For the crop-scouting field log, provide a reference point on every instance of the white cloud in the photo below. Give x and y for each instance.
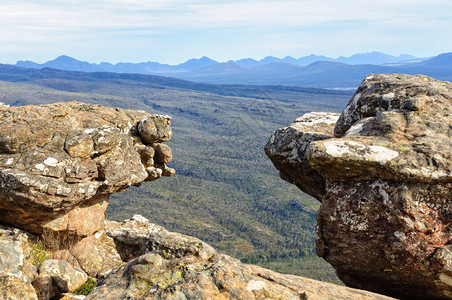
(83, 23)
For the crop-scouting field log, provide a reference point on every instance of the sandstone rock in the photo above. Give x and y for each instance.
(82, 221)
(385, 185)
(96, 254)
(14, 288)
(156, 129)
(79, 144)
(174, 266)
(163, 154)
(56, 277)
(61, 161)
(16, 270)
(136, 236)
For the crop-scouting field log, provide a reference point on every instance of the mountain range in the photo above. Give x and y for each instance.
(312, 70)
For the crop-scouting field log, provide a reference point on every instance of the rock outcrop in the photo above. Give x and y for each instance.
(58, 165)
(60, 162)
(383, 172)
(167, 265)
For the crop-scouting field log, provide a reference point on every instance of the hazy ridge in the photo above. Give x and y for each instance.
(312, 71)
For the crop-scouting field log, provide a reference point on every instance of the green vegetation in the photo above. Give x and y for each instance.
(86, 288)
(226, 191)
(38, 253)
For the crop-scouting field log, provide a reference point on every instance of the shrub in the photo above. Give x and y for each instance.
(86, 288)
(38, 253)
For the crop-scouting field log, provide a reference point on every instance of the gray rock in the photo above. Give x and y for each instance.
(16, 269)
(174, 266)
(57, 277)
(385, 185)
(287, 146)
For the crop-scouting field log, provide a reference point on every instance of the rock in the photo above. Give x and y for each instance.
(82, 221)
(147, 155)
(79, 144)
(61, 161)
(13, 288)
(287, 148)
(161, 265)
(70, 296)
(156, 129)
(56, 277)
(136, 236)
(163, 154)
(16, 269)
(96, 254)
(385, 184)
(174, 266)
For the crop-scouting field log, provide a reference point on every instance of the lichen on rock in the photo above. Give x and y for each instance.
(383, 172)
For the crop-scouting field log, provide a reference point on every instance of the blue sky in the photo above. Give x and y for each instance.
(172, 31)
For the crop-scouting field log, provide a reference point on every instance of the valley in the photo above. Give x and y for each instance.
(226, 191)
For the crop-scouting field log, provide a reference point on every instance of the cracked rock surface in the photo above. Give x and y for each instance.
(383, 172)
(61, 161)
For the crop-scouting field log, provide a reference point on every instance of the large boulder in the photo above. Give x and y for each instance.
(60, 162)
(383, 173)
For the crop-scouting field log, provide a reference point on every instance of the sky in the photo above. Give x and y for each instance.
(172, 31)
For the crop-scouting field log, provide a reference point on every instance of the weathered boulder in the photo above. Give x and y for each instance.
(57, 277)
(174, 266)
(385, 183)
(60, 162)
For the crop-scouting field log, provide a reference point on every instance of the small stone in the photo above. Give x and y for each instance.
(79, 144)
(163, 154)
(154, 173)
(147, 155)
(168, 171)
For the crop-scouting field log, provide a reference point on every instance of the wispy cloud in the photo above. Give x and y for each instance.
(163, 25)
